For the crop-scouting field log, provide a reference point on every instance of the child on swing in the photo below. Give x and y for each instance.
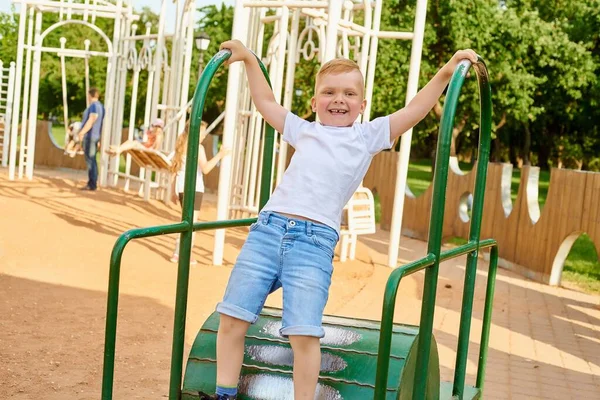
(291, 245)
(178, 159)
(153, 141)
(73, 143)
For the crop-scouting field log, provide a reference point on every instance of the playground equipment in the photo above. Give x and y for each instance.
(151, 161)
(32, 43)
(129, 54)
(63, 74)
(7, 84)
(301, 30)
(361, 359)
(317, 30)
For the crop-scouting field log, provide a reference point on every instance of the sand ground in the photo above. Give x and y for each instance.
(55, 244)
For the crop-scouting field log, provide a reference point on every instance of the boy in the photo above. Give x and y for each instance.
(291, 245)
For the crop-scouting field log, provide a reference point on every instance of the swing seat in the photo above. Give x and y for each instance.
(71, 153)
(151, 160)
(148, 158)
(348, 364)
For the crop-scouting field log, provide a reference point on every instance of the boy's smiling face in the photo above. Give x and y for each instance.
(339, 98)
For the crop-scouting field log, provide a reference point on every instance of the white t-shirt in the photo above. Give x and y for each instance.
(328, 165)
(180, 177)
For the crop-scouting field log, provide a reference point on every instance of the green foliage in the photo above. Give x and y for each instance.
(572, 92)
(540, 76)
(9, 30)
(377, 202)
(217, 22)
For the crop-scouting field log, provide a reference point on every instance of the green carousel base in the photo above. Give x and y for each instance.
(348, 364)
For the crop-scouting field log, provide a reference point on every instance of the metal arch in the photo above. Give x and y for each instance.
(78, 22)
(145, 59)
(131, 58)
(165, 58)
(307, 48)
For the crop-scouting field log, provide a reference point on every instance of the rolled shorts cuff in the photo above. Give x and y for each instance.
(236, 312)
(303, 330)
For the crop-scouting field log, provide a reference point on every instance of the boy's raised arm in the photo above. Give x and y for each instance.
(407, 117)
(262, 95)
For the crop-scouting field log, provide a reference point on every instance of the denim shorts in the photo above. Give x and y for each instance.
(292, 254)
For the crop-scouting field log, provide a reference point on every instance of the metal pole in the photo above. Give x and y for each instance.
(29, 153)
(288, 91)
(132, 109)
(372, 59)
(26, 93)
(334, 11)
(462, 350)
(173, 83)
(63, 76)
(185, 86)
(87, 43)
(240, 18)
(109, 98)
(200, 63)
(17, 95)
(148, 107)
(160, 43)
(404, 153)
(487, 318)
(119, 99)
(247, 163)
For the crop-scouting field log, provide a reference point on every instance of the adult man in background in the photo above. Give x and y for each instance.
(90, 134)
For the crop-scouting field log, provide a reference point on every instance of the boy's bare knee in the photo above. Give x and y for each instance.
(232, 326)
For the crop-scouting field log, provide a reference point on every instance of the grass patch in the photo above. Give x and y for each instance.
(457, 241)
(58, 133)
(377, 208)
(582, 266)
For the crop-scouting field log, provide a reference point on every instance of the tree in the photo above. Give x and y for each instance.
(575, 131)
(9, 31)
(534, 67)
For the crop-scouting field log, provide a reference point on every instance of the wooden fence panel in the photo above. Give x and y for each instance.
(527, 246)
(47, 153)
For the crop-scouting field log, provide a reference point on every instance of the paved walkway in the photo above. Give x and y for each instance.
(544, 341)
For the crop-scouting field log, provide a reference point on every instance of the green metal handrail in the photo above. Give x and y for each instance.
(389, 306)
(186, 227)
(431, 262)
